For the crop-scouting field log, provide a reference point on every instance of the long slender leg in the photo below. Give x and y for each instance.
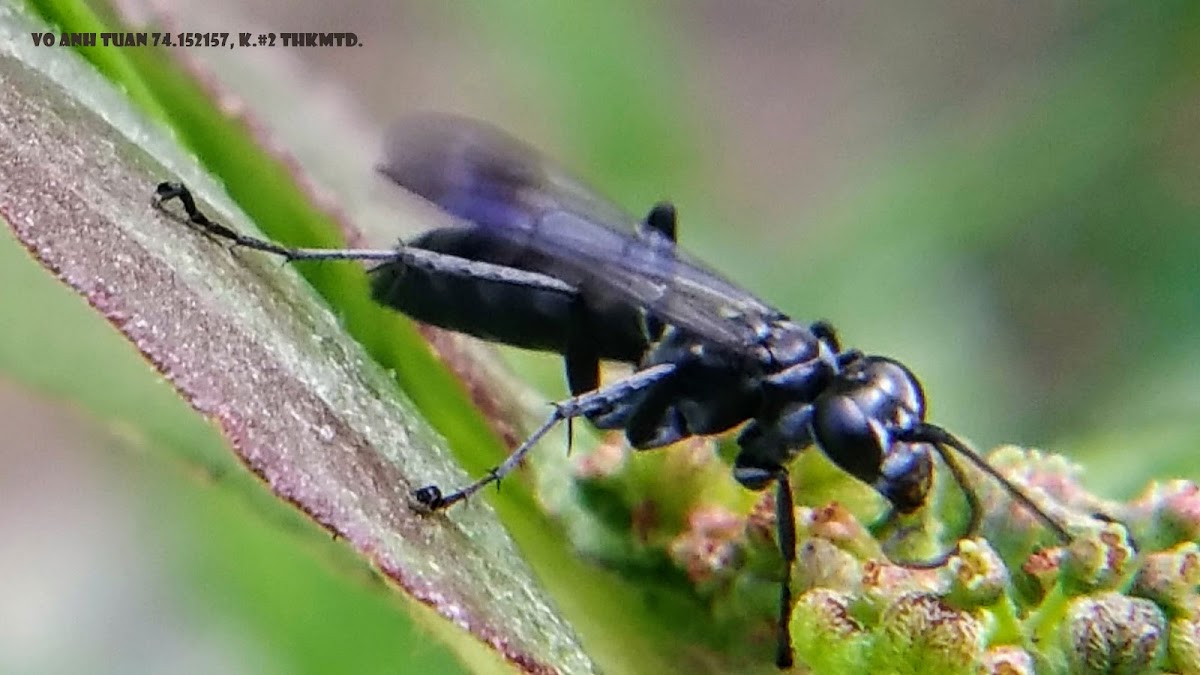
(582, 355)
(785, 530)
(165, 192)
(581, 358)
(431, 496)
(439, 263)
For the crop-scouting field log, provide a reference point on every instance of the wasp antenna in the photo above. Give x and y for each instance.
(940, 438)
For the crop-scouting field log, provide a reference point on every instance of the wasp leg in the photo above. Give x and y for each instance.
(432, 498)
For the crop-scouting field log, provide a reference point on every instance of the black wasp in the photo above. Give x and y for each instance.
(538, 261)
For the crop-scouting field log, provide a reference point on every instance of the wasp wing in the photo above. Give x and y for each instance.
(527, 214)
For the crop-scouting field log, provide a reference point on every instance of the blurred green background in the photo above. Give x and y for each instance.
(1006, 198)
